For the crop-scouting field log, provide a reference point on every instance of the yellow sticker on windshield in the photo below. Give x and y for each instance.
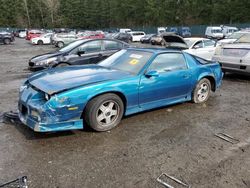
(133, 62)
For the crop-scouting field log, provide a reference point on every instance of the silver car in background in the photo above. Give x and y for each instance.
(235, 57)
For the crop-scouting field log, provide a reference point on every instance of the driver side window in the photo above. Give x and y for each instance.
(90, 47)
(168, 62)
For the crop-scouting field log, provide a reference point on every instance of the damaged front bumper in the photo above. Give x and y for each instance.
(38, 114)
(50, 127)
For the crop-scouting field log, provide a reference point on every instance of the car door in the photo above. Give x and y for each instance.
(110, 47)
(205, 51)
(87, 53)
(209, 48)
(46, 39)
(203, 48)
(172, 81)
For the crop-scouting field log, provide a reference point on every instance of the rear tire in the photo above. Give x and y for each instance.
(104, 112)
(60, 44)
(6, 41)
(202, 91)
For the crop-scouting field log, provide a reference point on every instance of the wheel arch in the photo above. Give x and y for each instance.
(118, 93)
(55, 65)
(212, 81)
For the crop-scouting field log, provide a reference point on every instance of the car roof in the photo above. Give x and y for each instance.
(86, 40)
(214, 27)
(195, 38)
(155, 50)
(136, 32)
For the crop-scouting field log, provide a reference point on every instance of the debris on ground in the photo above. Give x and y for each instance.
(17, 183)
(169, 110)
(227, 138)
(163, 178)
(10, 117)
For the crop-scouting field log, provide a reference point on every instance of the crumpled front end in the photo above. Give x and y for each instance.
(44, 114)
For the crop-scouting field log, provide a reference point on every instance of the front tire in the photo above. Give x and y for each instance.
(60, 44)
(104, 112)
(40, 42)
(202, 91)
(6, 41)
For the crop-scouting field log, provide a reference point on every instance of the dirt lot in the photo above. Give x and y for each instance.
(178, 140)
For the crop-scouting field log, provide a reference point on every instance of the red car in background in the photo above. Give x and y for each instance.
(33, 33)
(90, 36)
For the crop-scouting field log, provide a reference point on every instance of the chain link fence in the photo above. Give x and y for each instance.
(196, 30)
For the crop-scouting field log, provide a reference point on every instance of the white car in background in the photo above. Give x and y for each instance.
(43, 39)
(201, 47)
(136, 35)
(227, 30)
(22, 34)
(214, 32)
(232, 38)
(125, 30)
(234, 57)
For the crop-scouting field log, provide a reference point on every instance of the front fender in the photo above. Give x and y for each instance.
(79, 97)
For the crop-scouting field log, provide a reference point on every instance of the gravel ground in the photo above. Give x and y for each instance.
(178, 140)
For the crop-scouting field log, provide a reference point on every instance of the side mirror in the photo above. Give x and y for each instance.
(151, 73)
(80, 53)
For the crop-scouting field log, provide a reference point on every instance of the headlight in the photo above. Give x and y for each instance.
(23, 87)
(47, 61)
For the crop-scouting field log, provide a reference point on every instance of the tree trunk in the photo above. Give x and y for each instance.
(27, 12)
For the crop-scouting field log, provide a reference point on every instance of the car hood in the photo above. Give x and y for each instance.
(237, 45)
(46, 56)
(174, 41)
(60, 79)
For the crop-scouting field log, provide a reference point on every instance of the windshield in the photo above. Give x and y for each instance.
(244, 39)
(189, 42)
(127, 60)
(71, 46)
(235, 36)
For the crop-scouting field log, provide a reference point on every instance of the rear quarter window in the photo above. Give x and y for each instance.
(201, 60)
(168, 62)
